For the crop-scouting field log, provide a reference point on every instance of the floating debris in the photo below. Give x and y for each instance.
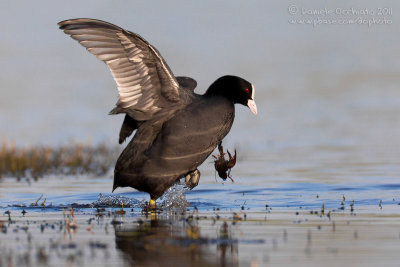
(44, 201)
(35, 204)
(9, 215)
(236, 217)
(70, 220)
(242, 207)
(121, 211)
(100, 212)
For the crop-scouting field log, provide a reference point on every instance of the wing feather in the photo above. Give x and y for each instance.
(145, 82)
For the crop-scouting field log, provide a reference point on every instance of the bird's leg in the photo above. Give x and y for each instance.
(192, 179)
(229, 176)
(152, 204)
(232, 160)
(221, 150)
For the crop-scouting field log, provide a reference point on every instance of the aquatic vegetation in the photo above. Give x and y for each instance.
(38, 161)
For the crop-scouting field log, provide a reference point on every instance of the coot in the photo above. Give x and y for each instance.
(176, 129)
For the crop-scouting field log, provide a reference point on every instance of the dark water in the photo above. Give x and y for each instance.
(256, 221)
(253, 193)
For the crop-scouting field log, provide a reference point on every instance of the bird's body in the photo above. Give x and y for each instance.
(176, 129)
(166, 151)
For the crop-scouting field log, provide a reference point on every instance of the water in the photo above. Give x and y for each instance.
(258, 220)
(253, 192)
(294, 169)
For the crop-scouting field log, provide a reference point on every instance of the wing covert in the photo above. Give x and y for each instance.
(145, 82)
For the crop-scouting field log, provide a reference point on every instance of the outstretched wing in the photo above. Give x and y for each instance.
(129, 124)
(145, 82)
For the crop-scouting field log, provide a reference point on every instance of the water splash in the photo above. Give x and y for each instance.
(174, 197)
(116, 201)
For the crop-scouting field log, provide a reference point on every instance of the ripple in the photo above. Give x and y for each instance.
(388, 186)
(115, 201)
(175, 197)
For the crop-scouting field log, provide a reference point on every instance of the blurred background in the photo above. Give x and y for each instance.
(323, 89)
(326, 75)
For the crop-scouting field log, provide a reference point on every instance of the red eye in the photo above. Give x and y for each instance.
(247, 90)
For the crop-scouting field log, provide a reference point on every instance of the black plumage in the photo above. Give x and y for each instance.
(176, 129)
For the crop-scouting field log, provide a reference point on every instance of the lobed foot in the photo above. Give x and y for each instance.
(192, 179)
(152, 204)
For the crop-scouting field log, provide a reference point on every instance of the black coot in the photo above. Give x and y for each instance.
(177, 129)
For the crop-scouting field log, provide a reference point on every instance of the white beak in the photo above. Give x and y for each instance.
(252, 105)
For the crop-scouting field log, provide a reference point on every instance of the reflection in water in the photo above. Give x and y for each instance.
(175, 240)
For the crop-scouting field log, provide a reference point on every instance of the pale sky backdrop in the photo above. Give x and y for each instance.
(310, 80)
